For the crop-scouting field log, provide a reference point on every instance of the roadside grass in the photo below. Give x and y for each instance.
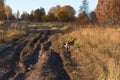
(96, 52)
(14, 30)
(47, 25)
(11, 31)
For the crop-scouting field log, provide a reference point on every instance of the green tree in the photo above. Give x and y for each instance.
(65, 13)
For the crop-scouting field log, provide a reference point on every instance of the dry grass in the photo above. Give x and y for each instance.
(48, 25)
(11, 31)
(96, 53)
(1, 22)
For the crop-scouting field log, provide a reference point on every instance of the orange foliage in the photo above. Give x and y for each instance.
(83, 18)
(49, 17)
(108, 11)
(2, 10)
(65, 13)
(25, 16)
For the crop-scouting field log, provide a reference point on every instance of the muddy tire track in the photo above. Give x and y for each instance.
(16, 60)
(31, 58)
(13, 62)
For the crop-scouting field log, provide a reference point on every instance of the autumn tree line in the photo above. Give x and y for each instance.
(107, 11)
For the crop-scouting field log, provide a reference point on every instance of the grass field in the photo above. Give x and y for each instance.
(95, 54)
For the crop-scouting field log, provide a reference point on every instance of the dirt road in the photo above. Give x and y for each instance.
(31, 58)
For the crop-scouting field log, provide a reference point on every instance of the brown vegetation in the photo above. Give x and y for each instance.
(83, 18)
(94, 55)
(10, 31)
(108, 11)
(68, 49)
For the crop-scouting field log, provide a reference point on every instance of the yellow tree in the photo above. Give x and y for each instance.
(25, 16)
(65, 13)
(8, 11)
(51, 14)
(2, 15)
(48, 17)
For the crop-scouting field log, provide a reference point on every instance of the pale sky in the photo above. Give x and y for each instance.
(29, 5)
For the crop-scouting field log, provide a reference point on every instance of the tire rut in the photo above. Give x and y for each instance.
(32, 58)
(13, 62)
